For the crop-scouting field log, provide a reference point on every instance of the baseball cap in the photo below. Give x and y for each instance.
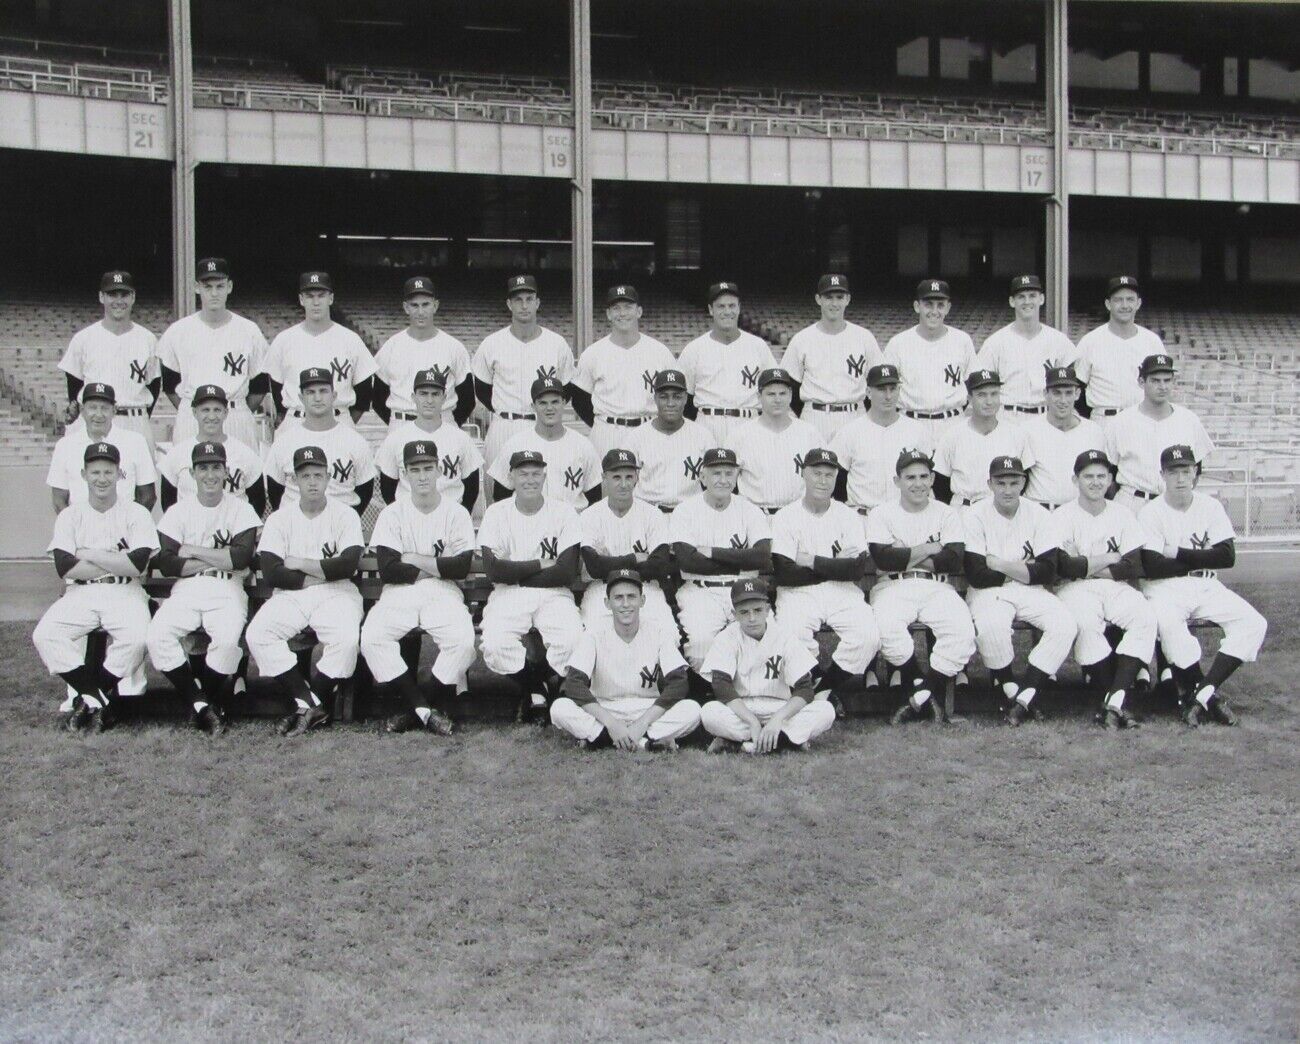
(420, 451)
(669, 379)
(982, 379)
(305, 456)
(315, 281)
(208, 453)
(525, 458)
(623, 576)
(315, 375)
(1177, 457)
(912, 456)
(775, 375)
(1006, 466)
(1058, 376)
(99, 390)
(209, 393)
(879, 376)
(833, 281)
(102, 451)
(621, 292)
(1025, 282)
(545, 384)
(116, 279)
(1122, 282)
(619, 458)
(718, 455)
(820, 456)
(1091, 456)
(212, 268)
(932, 288)
(430, 378)
(718, 289)
(748, 589)
(417, 285)
(518, 284)
(1158, 363)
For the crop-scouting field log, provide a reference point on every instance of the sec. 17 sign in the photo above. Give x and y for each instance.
(1035, 170)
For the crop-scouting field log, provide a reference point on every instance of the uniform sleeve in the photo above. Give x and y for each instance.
(500, 468)
(363, 363)
(876, 529)
(459, 361)
(853, 544)
(570, 530)
(492, 536)
(170, 524)
(591, 466)
(480, 365)
(565, 368)
(785, 541)
(470, 458)
(590, 528)
(460, 533)
(59, 475)
(350, 534)
(167, 345)
(798, 660)
(258, 350)
(757, 526)
(1049, 535)
(1132, 537)
(1083, 359)
(1066, 352)
(248, 518)
(73, 360)
(951, 529)
(274, 463)
(1112, 435)
(973, 535)
(892, 352)
(169, 466)
(274, 539)
(151, 364)
(670, 656)
(686, 362)
(583, 657)
(140, 529)
(1202, 444)
(943, 456)
(722, 655)
(842, 446)
(387, 532)
(679, 526)
(365, 461)
(793, 360)
(769, 360)
(1220, 525)
(1026, 448)
(145, 472)
(274, 364)
(656, 529)
(584, 376)
(386, 457)
(968, 352)
(64, 537)
(1152, 528)
(384, 362)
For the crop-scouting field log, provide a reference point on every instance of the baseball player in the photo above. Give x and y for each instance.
(208, 541)
(460, 462)
(1023, 350)
(529, 545)
(917, 545)
(762, 681)
(670, 448)
(626, 683)
(932, 360)
(509, 360)
(351, 466)
(818, 557)
(243, 467)
(424, 543)
(1101, 550)
(1189, 539)
(718, 538)
(100, 424)
(101, 547)
(309, 553)
(622, 532)
(1136, 436)
(771, 448)
(831, 359)
(318, 342)
(869, 446)
(1056, 438)
(722, 366)
(1010, 560)
(612, 385)
(421, 346)
(572, 463)
(967, 445)
(119, 353)
(1109, 356)
(214, 347)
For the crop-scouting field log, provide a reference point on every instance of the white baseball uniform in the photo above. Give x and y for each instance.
(625, 677)
(831, 369)
(118, 605)
(337, 349)
(1027, 534)
(572, 464)
(725, 377)
(964, 455)
(619, 380)
(512, 610)
(764, 671)
(1135, 440)
(331, 609)
(228, 356)
(1022, 364)
(215, 599)
(1180, 599)
(642, 529)
(1108, 365)
(837, 604)
(932, 374)
(869, 452)
(458, 457)
(432, 604)
(1051, 479)
(704, 601)
(68, 459)
(670, 462)
(771, 462)
(402, 356)
(126, 362)
(347, 451)
(243, 468)
(1098, 601)
(900, 600)
(510, 366)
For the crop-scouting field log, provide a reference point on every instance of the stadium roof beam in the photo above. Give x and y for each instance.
(1056, 49)
(181, 106)
(582, 251)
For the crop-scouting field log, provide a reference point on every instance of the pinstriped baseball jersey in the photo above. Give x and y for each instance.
(832, 367)
(618, 379)
(1134, 442)
(725, 376)
(1051, 479)
(699, 524)
(126, 362)
(348, 453)
(69, 456)
(835, 534)
(228, 356)
(243, 468)
(1108, 365)
(1115, 531)
(511, 365)
(518, 537)
(402, 356)
(446, 530)
(768, 666)
(931, 372)
(670, 463)
(869, 452)
(1203, 523)
(1027, 534)
(288, 533)
(572, 464)
(1022, 361)
(964, 455)
(189, 522)
(642, 529)
(125, 526)
(619, 668)
(337, 349)
(458, 457)
(892, 524)
(771, 462)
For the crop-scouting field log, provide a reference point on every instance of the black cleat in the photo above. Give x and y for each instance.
(1111, 720)
(938, 716)
(439, 724)
(407, 721)
(1193, 714)
(288, 725)
(1127, 720)
(311, 718)
(208, 720)
(719, 745)
(1017, 714)
(906, 714)
(1221, 712)
(97, 721)
(77, 718)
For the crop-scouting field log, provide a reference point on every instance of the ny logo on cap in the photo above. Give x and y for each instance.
(418, 284)
(100, 388)
(855, 363)
(209, 448)
(211, 266)
(1024, 280)
(420, 448)
(1176, 455)
(620, 289)
(651, 676)
(985, 375)
(102, 448)
(314, 373)
(1124, 280)
(934, 285)
(835, 281)
(772, 668)
(749, 586)
(1006, 462)
(117, 277)
(313, 278)
(519, 280)
(550, 547)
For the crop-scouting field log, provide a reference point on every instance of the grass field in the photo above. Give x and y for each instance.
(969, 883)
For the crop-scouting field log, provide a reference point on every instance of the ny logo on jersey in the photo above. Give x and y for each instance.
(222, 538)
(234, 480)
(544, 372)
(749, 376)
(648, 379)
(1112, 545)
(856, 364)
(691, 467)
(952, 374)
(437, 549)
(137, 372)
(1200, 541)
(450, 466)
(836, 548)
(739, 542)
(651, 676)
(772, 668)
(329, 549)
(573, 478)
(1027, 551)
(638, 547)
(122, 545)
(933, 538)
(233, 364)
(340, 368)
(340, 471)
(798, 463)
(550, 547)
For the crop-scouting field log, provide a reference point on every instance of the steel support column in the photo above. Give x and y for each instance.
(583, 254)
(1057, 206)
(181, 104)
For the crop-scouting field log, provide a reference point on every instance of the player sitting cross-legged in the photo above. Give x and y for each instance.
(626, 685)
(762, 681)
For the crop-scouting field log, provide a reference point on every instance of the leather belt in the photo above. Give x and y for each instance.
(1141, 494)
(713, 583)
(132, 411)
(1023, 409)
(1106, 411)
(220, 574)
(106, 580)
(836, 407)
(517, 416)
(719, 411)
(623, 422)
(917, 574)
(925, 415)
(965, 501)
(404, 414)
(1204, 574)
(299, 412)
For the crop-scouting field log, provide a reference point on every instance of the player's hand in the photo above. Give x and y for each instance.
(803, 558)
(74, 411)
(622, 739)
(1171, 551)
(766, 742)
(640, 556)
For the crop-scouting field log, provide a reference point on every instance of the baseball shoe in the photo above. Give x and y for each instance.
(663, 746)
(1017, 714)
(1193, 714)
(723, 746)
(1110, 720)
(208, 720)
(289, 723)
(938, 715)
(601, 742)
(311, 718)
(407, 721)
(1221, 712)
(77, 718)
(784, 742)
(439, 724)
(98, 720)
(906, 713)
(1127, 720)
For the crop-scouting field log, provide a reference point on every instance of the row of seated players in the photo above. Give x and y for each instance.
(620, 684)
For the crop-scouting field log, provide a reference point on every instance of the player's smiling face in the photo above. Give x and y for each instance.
(833, 305)
(985, 402)
(752, 617)
(428, 402)
(214, 292)
(1093, 481)
(523, 306)
(117, 303)
(420, 310)
(98, 414)
(885, 397)
(719, 479)
(1180, 482)
(312, 481)
(316, 304)
(317, 400)
(1006, 489)
(1158, 387)
(423, 477)
(1061, 400)
(1123, 305)
(932, 312)
(725, 311)
(775, 399)
(101, 478)
(529, 481)
(670, 402)
(819, 481)
(914, 484)
(549, 408)
(210, 477)
(620, 484)
(624, 316)
(1027, 304)
(625, 601)
(210, 416)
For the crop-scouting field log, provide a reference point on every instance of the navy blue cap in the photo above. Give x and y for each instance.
(212, 268)
(209, 393)
(102, 451)
(421, 451)
(883, 374)
(776, 375)
(1177, 457)
(724, 287)
(315, 375)
(518, 284)
(928, 288)
(116, 279)
(719, 455)
(1025, 282)
(833, 282)
(420, 284)
(1006, 466)
(1092, 456)
(619, 458)
(1122, 282)
(98, 390)
(524, 458)
(304, 456)
(433, 377)
(543, 385)
(1059, 376)
(621, 292)
(1159, 363)
(912, 456)
(820, 456)
(208, 453)
(982, 379)
(748, 589)
(315, 281)
(623, 576)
